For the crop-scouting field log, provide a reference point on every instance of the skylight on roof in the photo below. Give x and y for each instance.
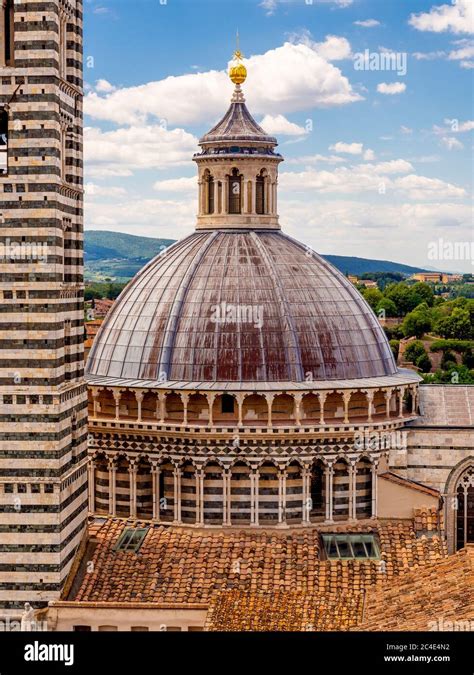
(351, 546)
(131, 539)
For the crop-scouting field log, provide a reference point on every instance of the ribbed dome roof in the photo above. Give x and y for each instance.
(296, 314)
(237, 125)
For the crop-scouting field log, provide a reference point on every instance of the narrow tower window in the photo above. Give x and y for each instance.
(260, 194)
(8, 23)
(3, 142)
(235, 191)
(210, 194)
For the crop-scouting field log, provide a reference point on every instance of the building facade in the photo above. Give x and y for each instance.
(43, 438)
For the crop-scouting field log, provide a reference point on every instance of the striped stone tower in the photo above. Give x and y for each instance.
(43, 399)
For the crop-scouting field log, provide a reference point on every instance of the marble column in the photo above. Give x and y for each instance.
(155, 473)
(112, 489)
(133, 470)
(91, 477)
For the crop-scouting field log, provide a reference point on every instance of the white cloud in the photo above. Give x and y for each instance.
(367, 23)
(104, 87)
(465, 50)
(421, 187)
(315, 159)
(467, 64)
(271, 5)
(398, 232)
(451, 143)
(429, 56)
(287, 79)
(137, 148)
(455, 126)
(94, 190)
(180, 185)
(369, 155)
(378, 178)
(347, 148)
(392, 88)
(333, 48)
(406, 130)
(457, 17)
(280, 125)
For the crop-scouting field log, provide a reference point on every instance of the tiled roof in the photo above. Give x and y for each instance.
(283, 611)
(180, 565)
(446, 405)
(426, 599)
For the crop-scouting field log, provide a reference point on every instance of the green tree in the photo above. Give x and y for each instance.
(414, 350)
(425, 291)
(372, 295)
(395, 347)
(417, 322)
(457, 325)
(388, 306)
(404, 297)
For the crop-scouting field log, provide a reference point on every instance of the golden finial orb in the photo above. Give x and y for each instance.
(238, 72)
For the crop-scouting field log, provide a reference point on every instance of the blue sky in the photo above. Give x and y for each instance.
(371, 101)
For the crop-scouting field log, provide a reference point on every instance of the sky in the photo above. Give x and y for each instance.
(371, 101)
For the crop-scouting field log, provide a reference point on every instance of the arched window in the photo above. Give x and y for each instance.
(260, 194)
(227, 403)
(465, 509)
(235, 192)
(210, 194)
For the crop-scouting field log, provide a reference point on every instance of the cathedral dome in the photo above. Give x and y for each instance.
(240, 306)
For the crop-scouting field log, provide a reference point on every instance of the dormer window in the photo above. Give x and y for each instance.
(235, 192)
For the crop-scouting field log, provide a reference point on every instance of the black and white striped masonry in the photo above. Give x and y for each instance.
(43, 400)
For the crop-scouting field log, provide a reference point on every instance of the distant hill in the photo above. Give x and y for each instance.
(120, 256)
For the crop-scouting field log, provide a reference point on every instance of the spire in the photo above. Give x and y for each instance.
(238, 72)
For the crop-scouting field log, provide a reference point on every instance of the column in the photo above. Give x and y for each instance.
(297, 408)
(133, 470)
(117, 395)
(95, 401)
(240, 402)
(352, 490)
(155, 478)
(346, 397)
(225, 196)
(401, 394)
(374, 489)
(185, 399)
(269, 398)
(254, 195)
(161, 407)
(202, 210)
(388, 398)
(91, 477)
(282, 496)
(226, 496)
(413, 399)
(370, 397)
(245, 195)
(254, 478)
(322, 396)
(306, 476)
(112, 488)
(139, 397)
(329, 473)
(199, 497)
(210, 401)
(177, 494)
(274, 198)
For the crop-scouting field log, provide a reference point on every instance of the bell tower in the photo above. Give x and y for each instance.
(43, 398)
(238, 168)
